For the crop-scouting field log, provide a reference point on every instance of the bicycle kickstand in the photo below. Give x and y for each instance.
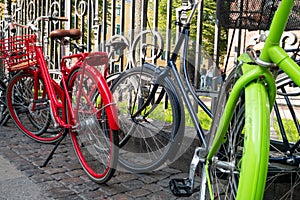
(184, 187)
(54, 149)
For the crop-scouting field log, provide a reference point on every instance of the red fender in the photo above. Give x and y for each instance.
(111, 108)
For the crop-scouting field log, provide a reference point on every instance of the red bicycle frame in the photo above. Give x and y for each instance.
(54, 90)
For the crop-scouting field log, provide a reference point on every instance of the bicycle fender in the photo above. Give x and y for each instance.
(110, 105)
(253, 172)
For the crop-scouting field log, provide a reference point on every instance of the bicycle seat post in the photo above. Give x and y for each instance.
(62, 47)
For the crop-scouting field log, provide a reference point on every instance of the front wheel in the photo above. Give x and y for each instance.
(94, 142)
(238, 170)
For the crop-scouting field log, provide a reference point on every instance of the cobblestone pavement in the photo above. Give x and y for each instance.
(63, 177)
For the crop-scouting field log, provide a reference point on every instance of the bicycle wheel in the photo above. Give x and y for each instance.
(29, 108)
(284, 171)
(233, 168)
(150, 138)
(94, 142)
(4, 115)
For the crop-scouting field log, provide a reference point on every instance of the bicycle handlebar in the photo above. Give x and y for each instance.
(50, 18)
(31, 25)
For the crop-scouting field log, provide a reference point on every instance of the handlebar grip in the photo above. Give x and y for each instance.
(59, 18)
(12, 28)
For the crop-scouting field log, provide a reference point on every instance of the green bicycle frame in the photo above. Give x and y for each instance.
(260, 92)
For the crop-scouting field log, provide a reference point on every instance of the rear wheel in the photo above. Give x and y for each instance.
(151, 137)
(29, 108)
(95, 143)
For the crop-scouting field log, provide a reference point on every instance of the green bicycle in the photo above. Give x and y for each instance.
(236, 165)
(237, 154)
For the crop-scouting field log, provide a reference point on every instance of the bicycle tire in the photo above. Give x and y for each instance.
(150, 140)
(111, 78)
(3, 107)
(234, 181)
(31, 115)
(94, 142)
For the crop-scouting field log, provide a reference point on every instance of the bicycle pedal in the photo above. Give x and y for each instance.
(181, 187)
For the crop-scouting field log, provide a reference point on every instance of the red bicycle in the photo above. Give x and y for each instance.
(80, 104)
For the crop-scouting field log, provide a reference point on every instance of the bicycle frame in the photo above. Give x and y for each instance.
(265, 92)
(171, 66)
(54, 88)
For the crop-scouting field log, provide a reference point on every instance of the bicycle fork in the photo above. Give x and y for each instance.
(260, 90)
(251, 73)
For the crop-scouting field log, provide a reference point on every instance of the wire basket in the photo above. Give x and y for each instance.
(254, 14)
(18, 52)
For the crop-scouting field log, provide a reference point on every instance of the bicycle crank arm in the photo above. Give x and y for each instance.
(184, 187)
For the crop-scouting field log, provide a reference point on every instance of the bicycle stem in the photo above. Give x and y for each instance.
(185, 26)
